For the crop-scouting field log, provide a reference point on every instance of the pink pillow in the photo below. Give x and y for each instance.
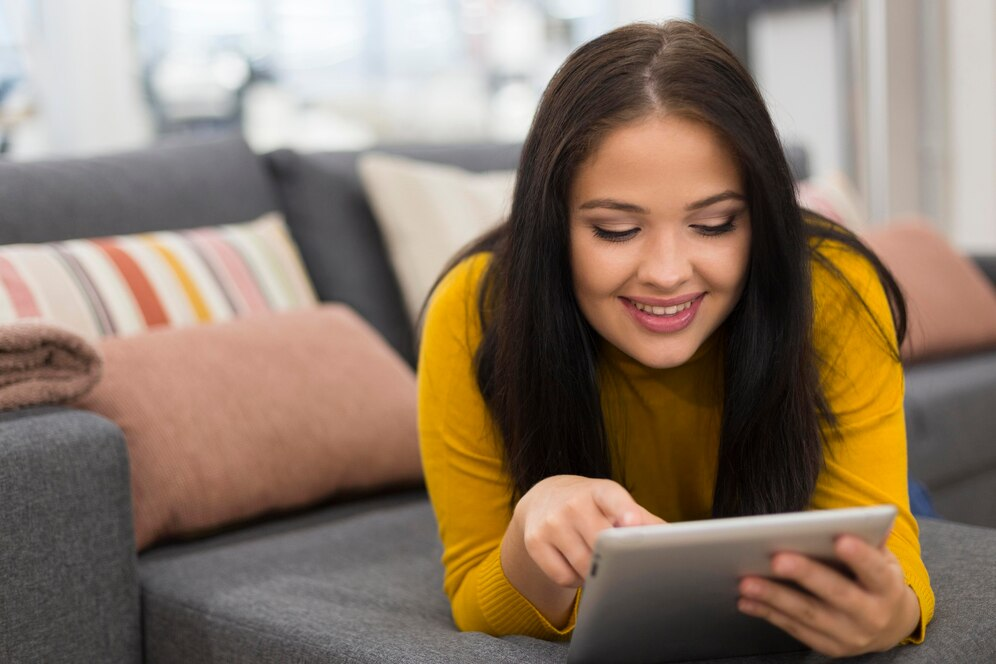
(952, 305)
(835, 197)
(271, 412)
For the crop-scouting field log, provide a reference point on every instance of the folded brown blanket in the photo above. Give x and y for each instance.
(42, 363)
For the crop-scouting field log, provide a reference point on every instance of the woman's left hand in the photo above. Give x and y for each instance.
(842, 617)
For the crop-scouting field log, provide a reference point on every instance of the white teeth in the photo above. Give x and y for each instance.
(661, 311)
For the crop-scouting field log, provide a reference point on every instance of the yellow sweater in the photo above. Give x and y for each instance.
(663, 425)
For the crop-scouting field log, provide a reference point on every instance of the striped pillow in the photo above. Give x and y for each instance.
(121, 285)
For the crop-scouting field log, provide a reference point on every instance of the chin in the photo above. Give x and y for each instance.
(661, 360)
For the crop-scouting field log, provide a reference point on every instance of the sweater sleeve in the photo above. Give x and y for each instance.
(462, 460)
(865, 463)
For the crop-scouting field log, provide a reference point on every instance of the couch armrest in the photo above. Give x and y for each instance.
(987, 264)
(960, 561)
(67, 553)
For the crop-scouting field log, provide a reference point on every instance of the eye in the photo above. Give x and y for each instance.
(614, 236)
(722, 229)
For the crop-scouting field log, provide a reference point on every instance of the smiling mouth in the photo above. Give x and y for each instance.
(663, 311)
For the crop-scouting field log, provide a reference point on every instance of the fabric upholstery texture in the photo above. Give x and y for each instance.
(954, 395)
(358, 582)
(988, 266)
(341, 244)
(176, 185)
(361, 582)
(951, 303)
(43, 364)
(67, 558)
(427, 212)
(269, 412)
(130, 283)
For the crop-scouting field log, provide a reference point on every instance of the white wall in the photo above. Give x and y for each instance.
(89, 100)
(890, 110)
(793, 56)
(922, 104)
(971, 115)
(85, 72)
(628, 11)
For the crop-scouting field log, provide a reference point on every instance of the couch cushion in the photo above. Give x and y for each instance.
(171, 186)
(362, 582)
(340, 242)
(357, 582)
(949, 423)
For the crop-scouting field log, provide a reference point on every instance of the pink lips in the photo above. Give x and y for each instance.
(663, 324)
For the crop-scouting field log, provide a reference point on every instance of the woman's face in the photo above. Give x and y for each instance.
(660, 238)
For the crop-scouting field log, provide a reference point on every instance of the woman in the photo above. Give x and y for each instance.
(656, 334)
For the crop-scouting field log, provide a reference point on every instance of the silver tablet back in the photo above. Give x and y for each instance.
(669, 593)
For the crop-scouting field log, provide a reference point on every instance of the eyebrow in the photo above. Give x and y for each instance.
(612, 204)
(706, 202)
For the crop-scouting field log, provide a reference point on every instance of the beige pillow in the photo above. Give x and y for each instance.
(951, 303)
(270, 412)
(427, 212)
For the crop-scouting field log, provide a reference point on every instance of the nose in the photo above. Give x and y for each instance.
(665, 263)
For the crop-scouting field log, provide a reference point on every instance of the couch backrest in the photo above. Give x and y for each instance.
(340, 241)
(170, 186)
(206, 182)
(987, 263)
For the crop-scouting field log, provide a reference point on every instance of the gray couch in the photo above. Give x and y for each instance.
(355, 580)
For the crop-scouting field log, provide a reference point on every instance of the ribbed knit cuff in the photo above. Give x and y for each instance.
(926, 598)
(508, 612)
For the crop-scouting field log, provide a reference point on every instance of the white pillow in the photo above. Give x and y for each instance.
(427, 212)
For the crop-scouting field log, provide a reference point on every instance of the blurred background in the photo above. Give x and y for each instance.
(888, 106)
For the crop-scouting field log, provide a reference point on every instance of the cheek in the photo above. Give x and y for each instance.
(585, 276)
(737, 259)
(584, 263)
(742, 260)
(598, 269)
(578, 264)
(725, 269)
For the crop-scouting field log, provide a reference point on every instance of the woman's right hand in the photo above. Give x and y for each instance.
(547, 548)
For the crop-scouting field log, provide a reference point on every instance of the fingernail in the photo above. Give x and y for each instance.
(784, 565)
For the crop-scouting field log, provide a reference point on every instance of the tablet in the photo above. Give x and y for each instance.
(668, 592)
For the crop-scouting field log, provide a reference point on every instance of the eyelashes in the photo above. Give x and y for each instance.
(707, 231)
(614, 236)
(710, 231)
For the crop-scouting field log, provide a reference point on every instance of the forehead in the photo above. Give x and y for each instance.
(664, 158)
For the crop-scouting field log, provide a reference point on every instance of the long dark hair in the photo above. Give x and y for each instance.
(537, 361)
